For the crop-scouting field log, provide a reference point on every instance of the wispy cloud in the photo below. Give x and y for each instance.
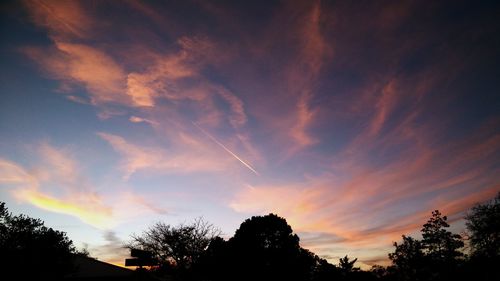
(83, 65)
(330, 204)
(118, 84)
(113, 251)
(63, 20)
(71, 199)
(357, 130)
(303, 74)
(137, 158)
(136, 119)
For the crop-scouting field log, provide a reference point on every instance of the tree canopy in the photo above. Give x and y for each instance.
(29, 249)
(408, 259)
(440, 245)
(483, 225)
(268, 249)
(179, 246)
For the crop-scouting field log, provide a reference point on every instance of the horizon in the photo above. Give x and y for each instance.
(353, 121)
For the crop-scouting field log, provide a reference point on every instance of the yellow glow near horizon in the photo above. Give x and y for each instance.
(91, 212)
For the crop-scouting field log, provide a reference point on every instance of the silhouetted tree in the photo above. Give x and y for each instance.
(409, 260)
(214, 263)
(325, 271)
(265, 248)
(441, 245)
(347, 266)
(349, 272)
(483, 225)
(29, 250)
(436, 257)
(382, 273)
(178, 247)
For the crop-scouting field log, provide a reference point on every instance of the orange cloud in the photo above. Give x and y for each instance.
(303, 119)
(77, 63)
(303, 74)
(64, 19)
(345, 225)
(358, 206)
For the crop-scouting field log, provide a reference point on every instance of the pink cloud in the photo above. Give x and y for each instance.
(384, 106)
(361, 206)
(238, 117)
(137, 158)
(136, 119)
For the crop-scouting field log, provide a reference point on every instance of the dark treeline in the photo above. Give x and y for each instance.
(265, 248)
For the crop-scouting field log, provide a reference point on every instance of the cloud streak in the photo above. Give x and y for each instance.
(226, 149)
(138, 158)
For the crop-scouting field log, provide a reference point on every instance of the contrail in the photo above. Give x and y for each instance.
(226, 149)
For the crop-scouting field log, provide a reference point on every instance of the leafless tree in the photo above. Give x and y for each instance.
(180, 245)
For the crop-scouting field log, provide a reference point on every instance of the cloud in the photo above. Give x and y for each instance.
(83, 65)
(137, 158)
(303, 119)
(363, 143)
(238, 118)
(160, 79)
(117, 83)
(346, 225)
(140, 94)
(303, 74)
(113, 251)
(63, 168)
(176, 77)
(87, 207)
(384, 106)
(56, 184)
(362, 208)
(63, 19)
(12, 173)
(136, 119)
(101, 75)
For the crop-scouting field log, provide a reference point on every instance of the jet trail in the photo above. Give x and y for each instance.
(226, 149)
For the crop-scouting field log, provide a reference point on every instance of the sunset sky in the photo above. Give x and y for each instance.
(351, 119)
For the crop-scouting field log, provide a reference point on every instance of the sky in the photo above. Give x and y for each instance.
(351, 119)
